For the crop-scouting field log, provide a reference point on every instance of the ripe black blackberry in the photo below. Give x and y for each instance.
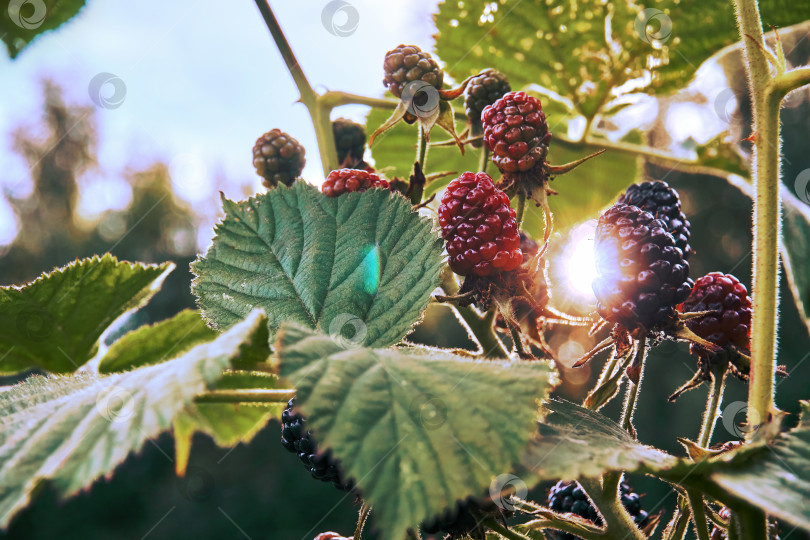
(463, 519)
(662, 201)
(516, 132)
(297, 439)
(350, 141)
(570, 497)
(479, 226)
(641, 275)
(351, 180)
(278, 158)
(407, 63)
(483, 90)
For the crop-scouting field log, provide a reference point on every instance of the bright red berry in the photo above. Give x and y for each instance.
(642, 276)
(516, 132)
(350, 180)
(730, 320)
(479, 226)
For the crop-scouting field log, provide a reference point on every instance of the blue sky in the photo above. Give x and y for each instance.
(203, 81)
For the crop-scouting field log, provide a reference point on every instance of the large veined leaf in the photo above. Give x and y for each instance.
(777, 479)
(574, 441)
(71, 430)
(582, 49)
(54, 322)
(362, 265)
(417, 429)
(23, 20)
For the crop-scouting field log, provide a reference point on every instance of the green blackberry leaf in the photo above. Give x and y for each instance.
(362, 265)
(54, 323)
(22, 21)
(417, 428)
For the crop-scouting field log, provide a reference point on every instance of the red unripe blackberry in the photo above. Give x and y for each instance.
(484, 89)
(730, 320)
(569, 497)
(350, 140)
(297, 439)
(641, 275)
(479, 226)
(516, 132)
(330, 536)
(278, 158)
(350, 180)
(662, 201)
(407, 63)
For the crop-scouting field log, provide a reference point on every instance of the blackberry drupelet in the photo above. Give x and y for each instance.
(351, 180)
(278, 158)
(516, 132)
(662, 201)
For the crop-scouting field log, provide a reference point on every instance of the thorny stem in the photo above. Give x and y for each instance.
(632, 389)
(698, 513)
(515, 334)
(246, 396)
(713, 401)
(365, 510)
(421, 153)
(479, 328)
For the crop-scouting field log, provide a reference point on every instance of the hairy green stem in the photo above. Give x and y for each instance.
(503, 531)
(749, 523)
(421, 154)
(618, 522)
(246, 396)
(365, 510)
(479, 328)
(632, 389)
(715, 397)
(698, 514)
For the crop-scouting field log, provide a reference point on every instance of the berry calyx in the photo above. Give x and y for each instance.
(569, 497)
(729, 322)
(479, 226)
(516, 132)
(662, 201)
(641, 275)
(278, 158)
(297, 439)
(350, 142)
(407, 63)
(483, 90)
(350, 180)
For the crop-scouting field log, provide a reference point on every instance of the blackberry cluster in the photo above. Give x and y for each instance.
(479, 226)
(483, 90)
(642, 276)
(730, 320)
(278, 158)
(570, 497)
(351, 180)
(463, 519)
(350, 141)
(516, 132)
(662, 201)
(407, 63)
(297, 439)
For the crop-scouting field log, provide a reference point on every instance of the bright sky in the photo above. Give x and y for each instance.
(202, 83)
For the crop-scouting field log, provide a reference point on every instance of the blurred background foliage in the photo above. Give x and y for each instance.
(258, 490)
